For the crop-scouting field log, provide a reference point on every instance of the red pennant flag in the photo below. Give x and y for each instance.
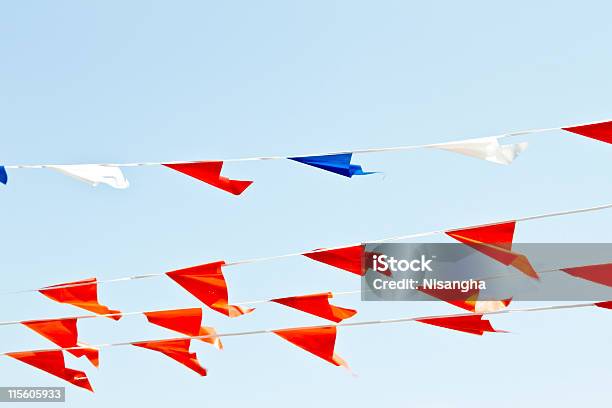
(206, 282)
(467, 300)
(84, 295)
(185, 321)
(64, 333)
(319, 341)
(599, 131)
(210, 172)
(318, 305)
(605, 305)
(177, 350)
(348, 258)
(52, 361)
(595, 273)
(495, 241)
(473, 324)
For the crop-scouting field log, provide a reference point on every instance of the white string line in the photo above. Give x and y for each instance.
(353, 324)
(356, 151)
(270, 258)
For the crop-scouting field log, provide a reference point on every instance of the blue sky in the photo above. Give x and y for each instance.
(149, 81)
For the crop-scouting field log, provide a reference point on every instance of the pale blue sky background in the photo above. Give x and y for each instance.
(146, 81)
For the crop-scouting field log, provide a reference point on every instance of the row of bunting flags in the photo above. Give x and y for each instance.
(209, 171)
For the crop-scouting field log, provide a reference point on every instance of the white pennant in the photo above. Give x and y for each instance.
(94, 174)
(485, 148)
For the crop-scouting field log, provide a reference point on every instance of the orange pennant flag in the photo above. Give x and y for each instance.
(467, 300)
(177, 350)
(473, 324)
(348, 258)
(319, 341)
(52, 361)
(185, 321)
(595, 273)
(83, 294)
(64, 333)
(495, 241)
(206, 282)
(210, 172)
(318, 305)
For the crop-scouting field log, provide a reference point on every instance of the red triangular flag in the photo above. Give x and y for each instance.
(185, 321)
(595, 273)
(605, 305)
(52, 361)
(495, 241)
(318, 305)
(348, 258)
(206, 282)
(210, 172)
(600, 131)
(319, 341)
(473, 324)
(64, 333)
(83, 294)
(177, 350)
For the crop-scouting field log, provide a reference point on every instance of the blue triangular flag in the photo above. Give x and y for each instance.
(3, 175)
(336, 163)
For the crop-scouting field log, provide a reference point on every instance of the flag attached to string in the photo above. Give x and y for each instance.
(466, 300)
(473, 324)
(210, 173)
(604, 305)
(94, 174)
(601, 274)
(320, 341)
(3, 175)
(348, 258)
(52, 362)
(83, 294)
(64, 333)
(335, 163)
(318, 305)
(485, 148)
(185, 321)
(601, 131)
(177, 350)
(206, 282)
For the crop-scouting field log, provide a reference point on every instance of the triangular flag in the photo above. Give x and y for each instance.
(206, 282)
(473, 324)
(495, 241)
(185, 321)
(348, 258)
(94, 174)
(319, 341)
(52, 361)
(335, 163)
(485, 148)
(3, 175)
(64, 333)
(595, 273)
(604, 305)
(177, 350)
(318, 305)
(83, 294)
(600, 131)
(210, 172)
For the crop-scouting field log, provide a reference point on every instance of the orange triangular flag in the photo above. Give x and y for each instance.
(185, 321)
(318, 305)
(52, 361)
(473, 324)
(177, 350)
(467, 300)
(348, 258)
(319, 341)
(210, 172)
(83, 294)
(206, 282)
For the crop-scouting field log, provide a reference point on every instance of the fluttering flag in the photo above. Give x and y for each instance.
(349, 258)
(52, 361)
(604, 305)
(64, 333)
(185, 321)
(206, 282)
(467, 300)
(177, 350)
(485, 148)
(210, 172)
(600, 131)
(495, 241)
(335, 163)
(318, 305)
(473, 324)
(94, 174)
(83, 294)
(3, 175)
(320, 341)
(595, 273)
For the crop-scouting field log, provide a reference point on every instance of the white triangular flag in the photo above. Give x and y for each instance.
(94, 174)
(485, 148)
